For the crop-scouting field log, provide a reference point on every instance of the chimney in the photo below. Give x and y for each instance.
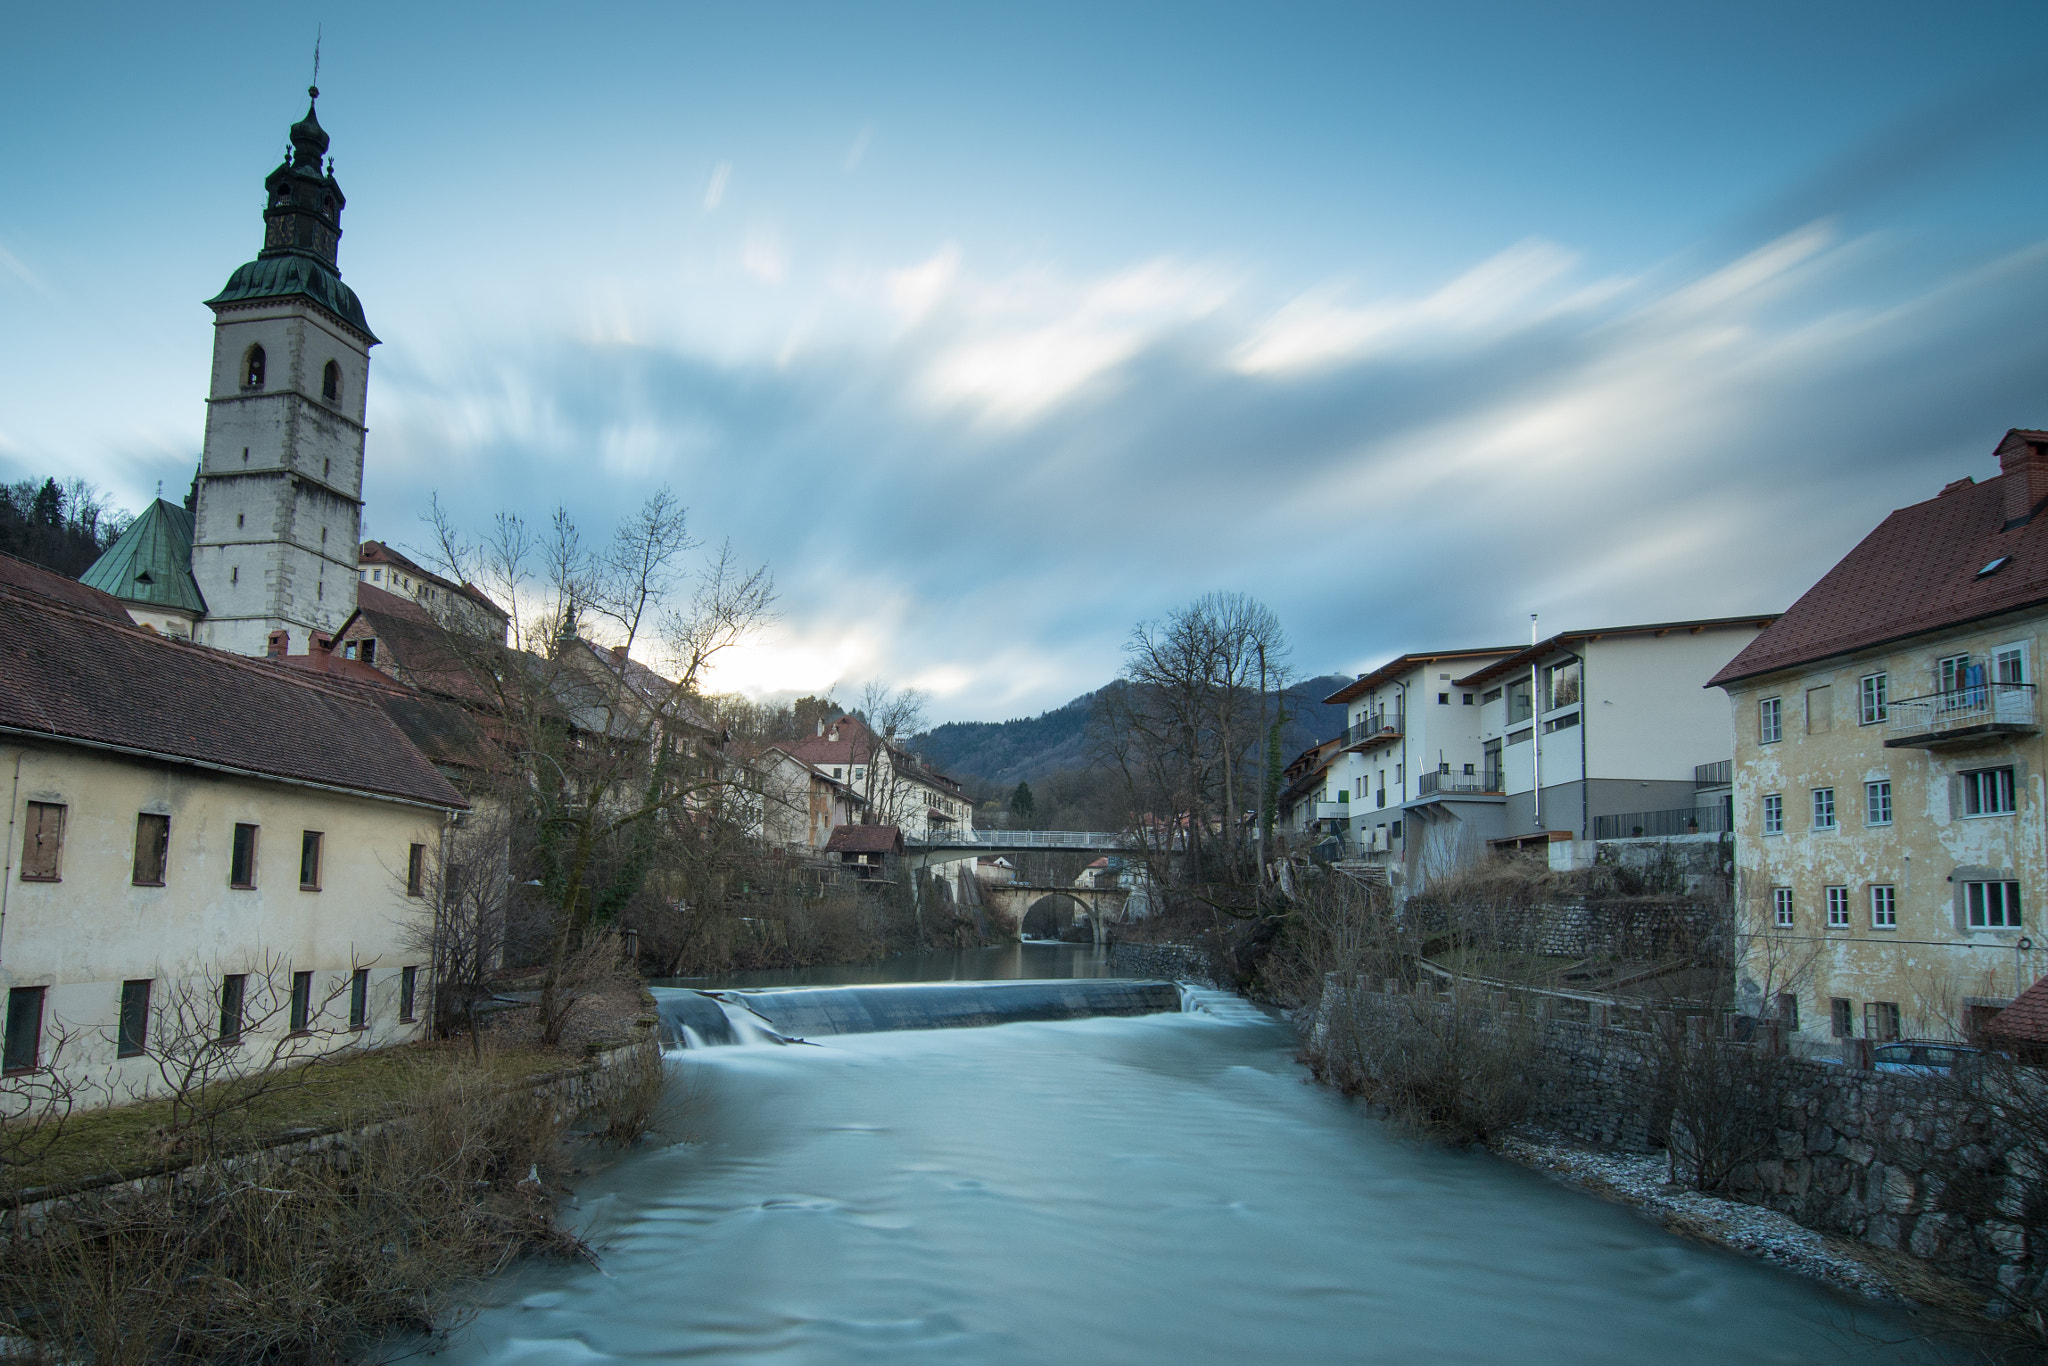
(2023, 467)
(280, 644)
(834, 734)
(323, 643)
(619, 654)
(821, 728)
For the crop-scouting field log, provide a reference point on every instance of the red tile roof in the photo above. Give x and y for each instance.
(865, 839)
(1920, 570)
(2026, 1019)
(71, 674)
(23, 576)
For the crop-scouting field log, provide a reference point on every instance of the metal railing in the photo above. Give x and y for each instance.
(1333, 811)
(1720, 773)
(1030, 839)
(1683, 820)
(1383, 722)
(1982, 704)
(1435, 784)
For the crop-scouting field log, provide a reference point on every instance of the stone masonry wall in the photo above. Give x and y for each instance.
(1175, 962)
(1895, 1159)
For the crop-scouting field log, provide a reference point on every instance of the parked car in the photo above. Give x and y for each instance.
(1921, 1057)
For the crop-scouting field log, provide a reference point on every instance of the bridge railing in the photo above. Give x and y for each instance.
(1032, 839)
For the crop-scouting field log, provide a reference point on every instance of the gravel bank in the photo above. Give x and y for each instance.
(1640, 1180)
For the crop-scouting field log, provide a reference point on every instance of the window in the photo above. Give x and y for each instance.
(1394, 830)
(408, 989)
(1881, 1020)
(1468, 699)
(1443, 699)
(252, 368)
(1952, 673)
(42, 843)
(1988, 792)
(1877, 803)
(1518, 702)
(1871, 697)
(359, 999)
(1560, 723)
(1842, 1017)
(232, 989)
(1991, 905)
(330, 382)
(1788, 1010)
(1490, 695)
(1781, 907)
(1820, 709)
(242, 866)
(416, 870)
(1770, 720)
(1561, 685)
(369, 652)
(24, 1029)
(2009, 664)
(134, 1037)
(1823, 808)
(1520, 737)
(1838, 908)
(152, 849)
(1774, 814)
(302, 1002)
(1884, 907)
(309, 861)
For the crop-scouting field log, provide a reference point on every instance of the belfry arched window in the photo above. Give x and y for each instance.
(330, 383)
(252, 368)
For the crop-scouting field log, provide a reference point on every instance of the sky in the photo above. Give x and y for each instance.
(995, 331)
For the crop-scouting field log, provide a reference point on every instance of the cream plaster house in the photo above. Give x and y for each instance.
(191, 836)
(1889, 768)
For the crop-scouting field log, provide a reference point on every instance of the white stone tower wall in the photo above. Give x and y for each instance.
(280, 490)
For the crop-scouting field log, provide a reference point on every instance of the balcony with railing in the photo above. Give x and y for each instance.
(1442, 784)
(1980, 712)
(1720, 773)
(1333, 811)
(1377, 728)
(1684, 820)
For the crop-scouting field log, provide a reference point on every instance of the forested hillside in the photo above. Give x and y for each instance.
(1030, 747)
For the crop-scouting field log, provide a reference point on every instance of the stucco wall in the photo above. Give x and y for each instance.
(1930, 965)
(85, 935)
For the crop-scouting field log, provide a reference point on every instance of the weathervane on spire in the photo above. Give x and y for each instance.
(314, 88)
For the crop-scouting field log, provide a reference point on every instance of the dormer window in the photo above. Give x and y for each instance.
(330, 383)
(252, 368)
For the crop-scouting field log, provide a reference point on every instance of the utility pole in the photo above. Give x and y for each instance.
(1535, 734)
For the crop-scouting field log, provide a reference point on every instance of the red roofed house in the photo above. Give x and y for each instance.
(1889, 767)
(199, 848)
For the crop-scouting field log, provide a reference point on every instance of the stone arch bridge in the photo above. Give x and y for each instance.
(1047, 912)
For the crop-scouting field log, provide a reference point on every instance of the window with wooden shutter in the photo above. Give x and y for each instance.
(42, 843)
(152, 849)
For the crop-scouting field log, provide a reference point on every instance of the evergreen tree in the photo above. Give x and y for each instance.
(48, 508)
(1021, 802)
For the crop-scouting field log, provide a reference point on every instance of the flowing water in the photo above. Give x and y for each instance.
(1159, 1188)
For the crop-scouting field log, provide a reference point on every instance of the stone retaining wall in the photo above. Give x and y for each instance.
(1175, 962)
(1598, 927)
(1898, 1160)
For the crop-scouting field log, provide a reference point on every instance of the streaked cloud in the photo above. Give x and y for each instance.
(714, 191)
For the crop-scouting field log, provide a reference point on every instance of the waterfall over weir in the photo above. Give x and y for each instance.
(702, 1019)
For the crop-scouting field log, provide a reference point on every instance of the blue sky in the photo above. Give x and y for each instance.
(997, 331)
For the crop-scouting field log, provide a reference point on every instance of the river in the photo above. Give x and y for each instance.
(1166, 1188)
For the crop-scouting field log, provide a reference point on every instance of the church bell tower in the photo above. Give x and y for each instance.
(279, 517)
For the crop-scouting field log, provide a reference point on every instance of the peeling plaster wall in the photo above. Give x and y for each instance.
(1931, 965)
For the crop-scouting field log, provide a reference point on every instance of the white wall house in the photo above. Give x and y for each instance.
(1611, 733)
(1412, 772)
(196, 841)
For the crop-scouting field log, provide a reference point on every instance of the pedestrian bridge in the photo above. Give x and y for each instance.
(1023, 841)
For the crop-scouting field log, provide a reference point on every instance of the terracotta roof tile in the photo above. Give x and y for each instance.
(2026, 1019)
(24, 577)
(865, 839)
(1918, 571)
(72, 674)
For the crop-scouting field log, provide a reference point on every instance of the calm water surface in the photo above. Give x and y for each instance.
(1162, 1189)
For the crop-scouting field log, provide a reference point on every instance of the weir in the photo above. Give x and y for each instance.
(702, 1019)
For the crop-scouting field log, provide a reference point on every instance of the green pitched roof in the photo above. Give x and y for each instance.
(287, 276)
(152, 562)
